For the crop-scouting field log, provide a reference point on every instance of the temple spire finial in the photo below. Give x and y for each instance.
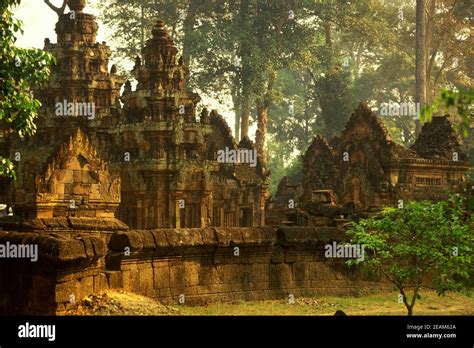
(77, 5)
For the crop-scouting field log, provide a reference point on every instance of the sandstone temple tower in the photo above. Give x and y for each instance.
(141, 156)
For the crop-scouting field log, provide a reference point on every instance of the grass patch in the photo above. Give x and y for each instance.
(384, 303)
(118, 302)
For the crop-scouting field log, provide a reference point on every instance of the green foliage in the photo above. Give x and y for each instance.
(132, 22)
(294, 112)
(461, 100)
(423, 244)
(7, 168)
(281, 163)
(333, 91)
(19, 69)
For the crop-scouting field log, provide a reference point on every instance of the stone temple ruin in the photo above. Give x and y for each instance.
(163, 159)
(362, 170)
(125, 190)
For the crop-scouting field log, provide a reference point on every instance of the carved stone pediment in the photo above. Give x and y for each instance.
(77, 182)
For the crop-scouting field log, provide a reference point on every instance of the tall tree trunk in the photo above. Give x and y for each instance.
(236, 102)
(262, 114)
(420, 56)
(357, 64)
(327, 30)
(188, 26)
(244, 54)
(263, 104)
(245, 115)
(142, 30)
(429, 36)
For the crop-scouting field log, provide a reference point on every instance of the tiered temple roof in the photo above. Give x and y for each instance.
(160, 166)
(365, 169)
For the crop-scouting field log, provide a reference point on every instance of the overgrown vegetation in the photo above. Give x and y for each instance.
(422, 244)
(19, 69)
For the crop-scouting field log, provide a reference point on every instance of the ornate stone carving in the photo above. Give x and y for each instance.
(365, 169)
(75, 174)
(161, 154)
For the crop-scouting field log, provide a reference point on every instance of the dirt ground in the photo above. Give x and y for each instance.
(123, 303)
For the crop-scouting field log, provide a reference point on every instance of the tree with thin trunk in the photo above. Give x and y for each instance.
(263, 104)
(420, 73)
(420, 245)
(59, 10)
(430, 17)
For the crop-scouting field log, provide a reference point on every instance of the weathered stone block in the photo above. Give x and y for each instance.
(113, 224)
(100, 282)
(278, 254)
(320, 271)
(160, 263)
(223, 236)
(288, 236)
(271, 234)
(189, 237)
(130, 239)
(254, 236)
(160, 238)
(246, 274)
(228, 273)
(227, 255)
(129, 265)
(260, 272)
(165, 293)
(209, 237)
(191, 269)
(55, 223)
(301, 271)
(208, 275)
(148, 240)
(130, 280)
(86, 286)
(114, 279)
(280, 273)
(63, 291)
(177, 277)
(305, 254)
(144, 264)
(161, 277)
(145, 276)
(236, 235)
(329, 234)
(173, 238)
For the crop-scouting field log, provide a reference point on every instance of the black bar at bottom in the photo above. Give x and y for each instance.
(167, 331)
